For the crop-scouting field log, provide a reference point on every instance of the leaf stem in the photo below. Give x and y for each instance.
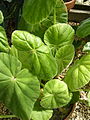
(7, 116)
(54, 16)
(87, 90)
(42, 85)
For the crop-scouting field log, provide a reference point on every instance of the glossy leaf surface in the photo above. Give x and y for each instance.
(84, 29)
(3, 41)
(19, 89)
(59, 35)
(34, 11)
(79, 74)
(56, 94)
(39, 113)
(64, 57)
(35, 55)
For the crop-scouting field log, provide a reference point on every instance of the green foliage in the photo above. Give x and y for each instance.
(61, 12)
(33, 54)
(79, 74)
(59, 35)
(29, 83)
(1, 17)
(75, 97)
(39, 113)
(35, 11)
(56, 94)
(3, 41)
(40, 28)
(19, 88)
(64, 57)
(84, 29)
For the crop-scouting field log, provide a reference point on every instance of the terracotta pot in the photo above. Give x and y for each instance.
(60, 114)
(70, 4)
(69, 115)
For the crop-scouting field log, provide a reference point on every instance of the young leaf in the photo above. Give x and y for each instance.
(1, 17)
(34, 55)
(35, 11)
(84, 29)
(59, 35)
(39, 113)
(64, 57)
(3, 41)
(19, 89)
(79, 74)
(56, 94)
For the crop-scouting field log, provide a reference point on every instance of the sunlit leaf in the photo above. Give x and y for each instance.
(79, 74)
(19, 89)
(56, 94)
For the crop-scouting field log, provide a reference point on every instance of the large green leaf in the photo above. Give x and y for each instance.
(84, 29)
(56, 94)
(35, 55)
(59, 35)
(79, 74)
(34, 11)
(39, 113)
(3, 41)
(64, 57)
(1, 17)
(40, 28)
(19, 89)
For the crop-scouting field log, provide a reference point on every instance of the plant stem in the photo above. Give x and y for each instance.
(7, 116)
(42, 85)
(54, 16)
(87, 90)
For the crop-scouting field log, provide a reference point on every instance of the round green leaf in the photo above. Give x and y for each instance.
(56, 94)
(19, 89)
(1, 17)
(58, 35)
(39, 113)
(84, 29)
(3, 41)
(34, 55)
(64, 57)
(79, 74)
(34, 11)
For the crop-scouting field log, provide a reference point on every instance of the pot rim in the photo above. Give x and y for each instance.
(70, 4)
(73, 108)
